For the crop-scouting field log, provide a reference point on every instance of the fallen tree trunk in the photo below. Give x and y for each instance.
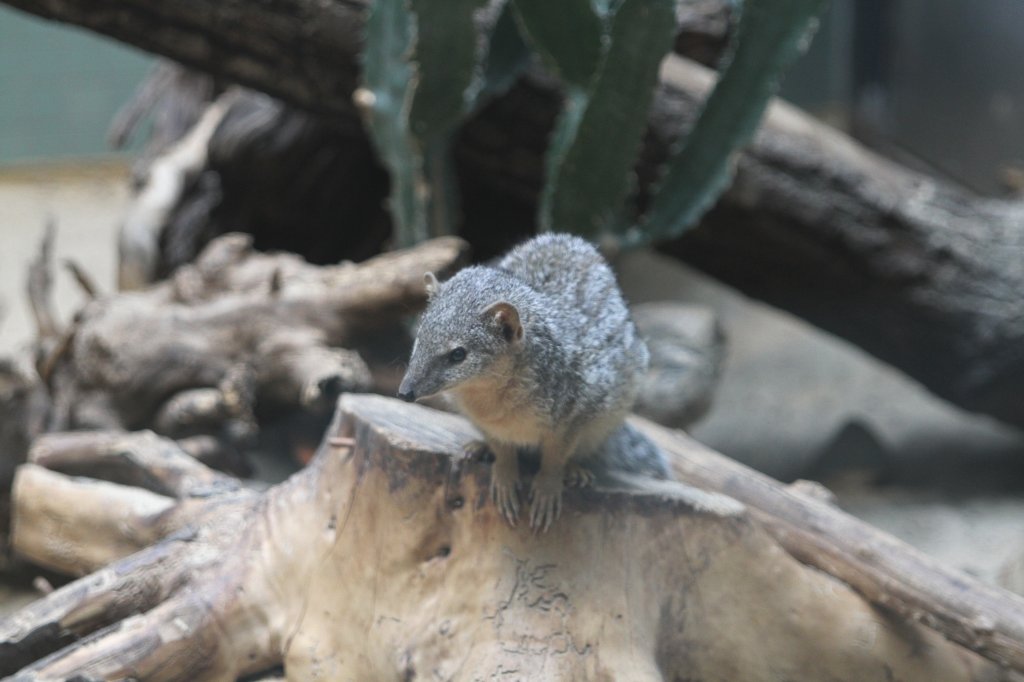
(919, 273)
(385, 559)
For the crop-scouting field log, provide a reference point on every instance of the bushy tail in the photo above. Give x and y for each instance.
(628, 451)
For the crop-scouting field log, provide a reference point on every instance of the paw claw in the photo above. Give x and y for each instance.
(506, 499)
(505, 495)
(545, 508)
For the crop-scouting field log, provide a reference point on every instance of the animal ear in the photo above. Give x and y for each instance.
(506, 317)
(431, 284)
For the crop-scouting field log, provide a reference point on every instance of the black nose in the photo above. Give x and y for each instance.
(408, 396)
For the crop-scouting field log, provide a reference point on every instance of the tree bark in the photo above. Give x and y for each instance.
(386, 559)
(921, 274)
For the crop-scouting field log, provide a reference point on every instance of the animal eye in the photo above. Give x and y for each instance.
(457, 355)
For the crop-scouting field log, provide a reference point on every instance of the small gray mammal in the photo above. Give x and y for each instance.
(538, 352)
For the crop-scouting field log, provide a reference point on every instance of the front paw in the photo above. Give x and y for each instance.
(505, 494)
(545, 502)
(577, 476)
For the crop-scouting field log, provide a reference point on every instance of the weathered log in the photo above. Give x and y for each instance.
(385, 559)
(194, 357)
(916, 271)
(235, 330)
(234, 341)
(88, 498)
(23, 410)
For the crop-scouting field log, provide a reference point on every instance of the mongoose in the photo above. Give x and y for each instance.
(538, 352)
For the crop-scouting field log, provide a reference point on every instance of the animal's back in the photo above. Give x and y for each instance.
(603, 353)
(570, 271)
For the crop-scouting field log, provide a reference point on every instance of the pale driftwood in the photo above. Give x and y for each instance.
(886, 571)
(385, 559)
(141, 459)
(235, 329)
(23, 409)
(232, 343)
(150, 487)
(159, 193)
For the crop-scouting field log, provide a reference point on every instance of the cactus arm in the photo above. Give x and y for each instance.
(771, 34)
(507, 58)
(386, 97)
(420, 66)
(591, 154)
(567, 34)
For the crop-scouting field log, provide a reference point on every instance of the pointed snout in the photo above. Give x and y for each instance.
(406, 391)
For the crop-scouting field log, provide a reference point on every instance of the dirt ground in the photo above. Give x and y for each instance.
(793, 402)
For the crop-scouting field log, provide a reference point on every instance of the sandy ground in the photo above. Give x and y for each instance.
(950, 483)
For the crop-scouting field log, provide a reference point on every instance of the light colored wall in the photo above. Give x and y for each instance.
(59, 88)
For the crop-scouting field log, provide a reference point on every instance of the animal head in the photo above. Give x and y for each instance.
(469, 324)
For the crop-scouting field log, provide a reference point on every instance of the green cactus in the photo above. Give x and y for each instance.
(591, 153)
(446, 62)
(771, 34)
(421, 67)
(429, 63)
(567, 35)
(387, 75)
(507, 58)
